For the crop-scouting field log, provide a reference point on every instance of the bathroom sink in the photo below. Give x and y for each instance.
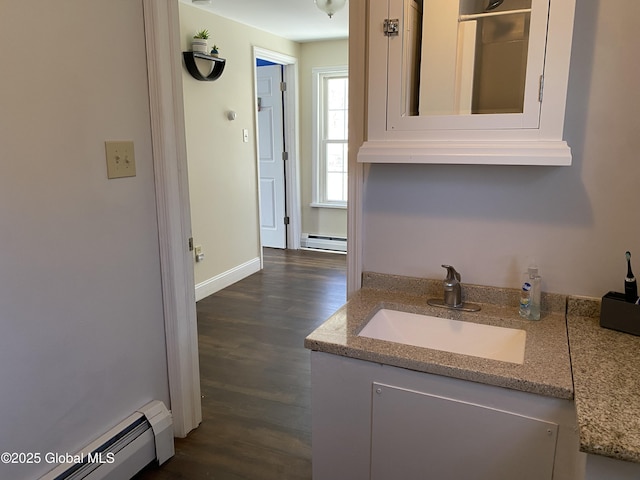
(486, 341)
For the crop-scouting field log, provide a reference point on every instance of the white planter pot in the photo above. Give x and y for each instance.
(199, 45)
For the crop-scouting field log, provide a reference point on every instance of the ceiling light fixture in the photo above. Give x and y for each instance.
(201, 2)
(330, 6)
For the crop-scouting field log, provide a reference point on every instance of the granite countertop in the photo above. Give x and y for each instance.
(546, 369)
(600, 370)
(606, 377)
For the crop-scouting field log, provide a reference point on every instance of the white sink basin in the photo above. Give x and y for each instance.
(486, 341)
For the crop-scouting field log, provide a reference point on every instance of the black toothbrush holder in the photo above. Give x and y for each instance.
(618, 314)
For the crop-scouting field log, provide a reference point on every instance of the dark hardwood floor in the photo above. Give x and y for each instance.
(255, 371)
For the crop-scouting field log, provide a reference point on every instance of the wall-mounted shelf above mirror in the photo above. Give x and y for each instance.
(192, 66)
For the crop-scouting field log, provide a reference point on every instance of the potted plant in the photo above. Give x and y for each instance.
(214, 50)
(199, 42)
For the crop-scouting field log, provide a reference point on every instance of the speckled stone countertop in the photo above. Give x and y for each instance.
(546, 369)
(606, 376)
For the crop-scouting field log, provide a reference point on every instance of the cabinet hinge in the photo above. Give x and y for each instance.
(286, 220)
(285, 156)
(391, 27)
(283, 86)
(541, 88)
(191, 244)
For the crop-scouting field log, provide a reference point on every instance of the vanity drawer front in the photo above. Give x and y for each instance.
(418, 435)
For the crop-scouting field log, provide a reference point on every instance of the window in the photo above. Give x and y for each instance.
(331, 115)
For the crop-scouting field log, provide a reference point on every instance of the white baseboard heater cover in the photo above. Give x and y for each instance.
(323, 242)
(123, 451)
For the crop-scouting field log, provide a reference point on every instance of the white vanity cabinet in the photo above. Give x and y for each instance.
(372, 421)
(451, 81)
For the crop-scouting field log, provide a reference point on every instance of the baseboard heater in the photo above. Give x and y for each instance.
(123, 451)
(323, 242)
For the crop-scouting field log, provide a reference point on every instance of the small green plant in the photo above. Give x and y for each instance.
(203, 34)
(214, 49)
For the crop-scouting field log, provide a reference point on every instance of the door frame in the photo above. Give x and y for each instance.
(291, 122)
(164, 70)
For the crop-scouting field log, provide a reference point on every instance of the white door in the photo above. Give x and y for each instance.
(273, 230)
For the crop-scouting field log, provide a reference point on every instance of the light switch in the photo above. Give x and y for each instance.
(121, 161)
(245, 135)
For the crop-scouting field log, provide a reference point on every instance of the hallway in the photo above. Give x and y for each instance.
(255, 374)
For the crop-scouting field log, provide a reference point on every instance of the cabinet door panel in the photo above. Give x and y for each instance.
(416, 435)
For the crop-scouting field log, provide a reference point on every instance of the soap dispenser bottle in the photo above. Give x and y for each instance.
(525, 296)
(530, 293)
(536, 282)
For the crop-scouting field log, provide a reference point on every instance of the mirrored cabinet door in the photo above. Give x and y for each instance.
(457, 60)
(458, 71)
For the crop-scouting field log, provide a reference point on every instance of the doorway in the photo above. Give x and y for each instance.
(277, 151)
(162, 32)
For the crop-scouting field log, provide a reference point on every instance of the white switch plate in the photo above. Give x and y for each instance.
(245, 135)
(121, 161)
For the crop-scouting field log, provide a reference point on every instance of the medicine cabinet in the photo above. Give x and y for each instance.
(468, 81)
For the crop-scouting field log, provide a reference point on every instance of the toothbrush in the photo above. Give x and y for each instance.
(630, 285)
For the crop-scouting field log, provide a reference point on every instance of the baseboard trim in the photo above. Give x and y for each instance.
(223, 280)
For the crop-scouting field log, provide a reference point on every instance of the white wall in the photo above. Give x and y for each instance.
(578, 221)
(321, 221)
(82, 341)
(222, 169)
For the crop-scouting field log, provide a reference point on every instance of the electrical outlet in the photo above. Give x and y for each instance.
(121, 161)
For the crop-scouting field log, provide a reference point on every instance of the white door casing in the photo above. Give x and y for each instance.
(164, 67)
(291, 122)
(273, 231)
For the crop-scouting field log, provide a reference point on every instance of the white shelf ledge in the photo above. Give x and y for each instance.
(552, 153)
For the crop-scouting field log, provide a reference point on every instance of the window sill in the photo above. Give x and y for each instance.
(340, 206)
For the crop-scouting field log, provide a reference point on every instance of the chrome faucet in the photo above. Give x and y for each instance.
(453, 293)
(452, 289)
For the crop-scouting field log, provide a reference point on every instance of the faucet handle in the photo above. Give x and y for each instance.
(451, 274)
